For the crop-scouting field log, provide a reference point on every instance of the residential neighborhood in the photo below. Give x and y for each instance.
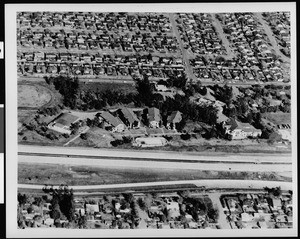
(155, 120)
(258, 211)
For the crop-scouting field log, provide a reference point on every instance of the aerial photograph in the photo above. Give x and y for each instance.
(154, 120)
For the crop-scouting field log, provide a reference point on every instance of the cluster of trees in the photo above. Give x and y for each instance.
(190, 110)
(62, 203)
(223, 94)
(124, 140)
(54, 110)
(276, 192)
(99, 100)
(197, 206)
(68, 87)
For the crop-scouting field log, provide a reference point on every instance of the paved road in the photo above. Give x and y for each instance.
(222, 220)
(220, 32)
(217, 184)
(142, 163)
(151, 154)
(271, 37)
(188, 67)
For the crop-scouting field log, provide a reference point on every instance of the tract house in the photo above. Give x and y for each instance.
(129, 118)
(111, 122)
(63, 123)
(154, 117)
(238, 130)
(173, 119)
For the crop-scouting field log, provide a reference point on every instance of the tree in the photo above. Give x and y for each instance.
(83, 136)
(185, 136)
(68, 87)
(128, 197)
(74, 127)
(212, 213)
(142, 204)
(145, 91)
(22, 199)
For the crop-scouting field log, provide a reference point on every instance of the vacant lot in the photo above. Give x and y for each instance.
(33, 96)
(278, 118)
(101, 87)
(83, 175)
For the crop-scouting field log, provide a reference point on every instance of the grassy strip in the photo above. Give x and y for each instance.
(52, 174)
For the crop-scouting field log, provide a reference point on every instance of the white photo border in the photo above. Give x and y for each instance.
(11, 116)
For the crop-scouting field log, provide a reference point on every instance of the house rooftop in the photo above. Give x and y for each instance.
(129, 115)
(108, 117)
(154, 114)
(66, 119)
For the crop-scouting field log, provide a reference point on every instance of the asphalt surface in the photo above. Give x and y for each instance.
(151, 155)
(113, 162)
(212, 183)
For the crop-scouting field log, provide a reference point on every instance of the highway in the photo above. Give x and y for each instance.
(151, 155)
(142, 163)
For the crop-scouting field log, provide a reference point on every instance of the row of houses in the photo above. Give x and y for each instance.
(152, 22)
(89, 64)
(79, 40)
(88, 57)
(120, 119)
(235, 69)
(251, 44)
(199, 35)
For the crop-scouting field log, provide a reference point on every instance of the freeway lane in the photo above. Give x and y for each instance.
(151, 155)
(212, 183)
(114, 162)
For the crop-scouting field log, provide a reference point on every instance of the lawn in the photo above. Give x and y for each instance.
(82, 175)
(33, 96)
(278, 118)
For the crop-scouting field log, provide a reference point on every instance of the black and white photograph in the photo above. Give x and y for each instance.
(151, 120)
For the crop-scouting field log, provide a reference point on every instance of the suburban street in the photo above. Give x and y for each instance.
(212, 183)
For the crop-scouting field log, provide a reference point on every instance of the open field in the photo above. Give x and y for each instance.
(103, 86)
(33, 95)
(85, 175)
(278, 118)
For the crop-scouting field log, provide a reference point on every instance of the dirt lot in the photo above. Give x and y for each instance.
(33, 96)
(81, 175)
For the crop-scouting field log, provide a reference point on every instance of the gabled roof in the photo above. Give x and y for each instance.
(109, 118)
(66, 119)
(154, 114)
(233, 124)
(175, 116)
(246, 127)
(129, 115)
